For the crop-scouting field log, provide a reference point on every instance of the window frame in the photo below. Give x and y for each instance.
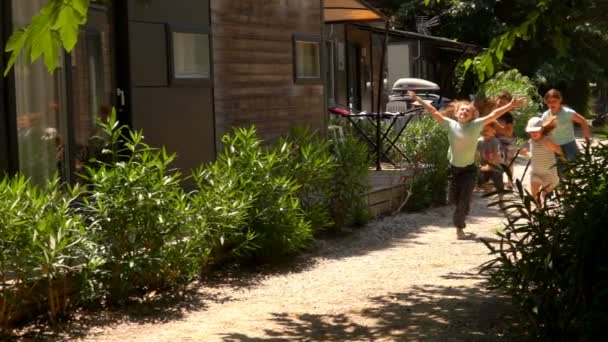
(310, 38)
(194, 81)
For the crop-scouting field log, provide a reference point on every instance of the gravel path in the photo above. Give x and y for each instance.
(402, 278)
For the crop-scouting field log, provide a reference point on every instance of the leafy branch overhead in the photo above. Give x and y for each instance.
(531, 33)
(56, 25)
(487, 62)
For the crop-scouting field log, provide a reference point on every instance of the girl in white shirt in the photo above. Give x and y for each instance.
(543, 175)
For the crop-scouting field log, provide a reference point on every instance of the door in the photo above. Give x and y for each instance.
(330, 73)
(354, 75)
(171, 78)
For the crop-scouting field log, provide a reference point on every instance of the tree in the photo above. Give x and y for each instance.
(554, 24)
(558, 43)
(55, 27)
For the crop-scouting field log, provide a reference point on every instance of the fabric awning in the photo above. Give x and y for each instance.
(350, 10)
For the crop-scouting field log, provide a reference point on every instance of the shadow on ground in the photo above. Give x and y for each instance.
(426, 313)
(165, 307)
(393, 231)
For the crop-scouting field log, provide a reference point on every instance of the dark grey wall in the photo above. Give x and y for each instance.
(179, 117)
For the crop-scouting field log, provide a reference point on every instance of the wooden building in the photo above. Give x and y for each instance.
(184, 71)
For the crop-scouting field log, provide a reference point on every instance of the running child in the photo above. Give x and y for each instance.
(563, 135)
(504, 133)
(490, 158)
(462, 136)
(543, 172)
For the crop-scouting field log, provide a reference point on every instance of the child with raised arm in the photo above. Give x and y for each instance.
(563, 135)
(543, 172)
(462, 136)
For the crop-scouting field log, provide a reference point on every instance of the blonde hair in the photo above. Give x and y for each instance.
(474, 111)
(453, 107)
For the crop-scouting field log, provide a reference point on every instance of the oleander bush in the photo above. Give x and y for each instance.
(349, 182)
(138, 212)
(425, 144)
(311, 164)
(552, 260)
(130, 228)
(44, 246)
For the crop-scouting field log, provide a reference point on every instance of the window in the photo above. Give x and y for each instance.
(190, 57)
(307, 58)
(41, 110)
(56, 114)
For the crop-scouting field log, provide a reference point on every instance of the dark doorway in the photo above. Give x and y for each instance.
(354, 75)
(91, 85)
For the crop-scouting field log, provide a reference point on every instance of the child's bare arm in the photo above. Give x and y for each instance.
(434, 112)
(499, 128)
(553, 147)
(579, 119)
(498, 112)
(506, 130)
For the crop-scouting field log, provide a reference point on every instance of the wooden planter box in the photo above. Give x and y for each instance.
(387, 191)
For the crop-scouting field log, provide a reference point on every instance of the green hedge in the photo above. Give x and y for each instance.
(131, 228)
(425, 144)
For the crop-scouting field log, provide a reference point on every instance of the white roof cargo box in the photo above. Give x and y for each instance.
(417, 84)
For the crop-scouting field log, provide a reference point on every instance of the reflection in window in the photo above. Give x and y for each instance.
(92, 86)
(45, 145)
(40, 105)
(190, 55)
(307, 59)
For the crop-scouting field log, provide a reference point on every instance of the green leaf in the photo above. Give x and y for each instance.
(56, 26)
(15, 45)
(467, 64)
(82, 7)
(41, 44)
(68, 23)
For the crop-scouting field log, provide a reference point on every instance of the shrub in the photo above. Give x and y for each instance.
(274, 224)
(138, 213)
(551, 260)
(312, 166)
(43, 248)
(425, 143)
(519, 86)
(349, 182)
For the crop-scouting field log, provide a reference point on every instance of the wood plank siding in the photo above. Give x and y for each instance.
(253, 65)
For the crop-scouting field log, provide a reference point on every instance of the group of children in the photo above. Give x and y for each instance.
(551, 135)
